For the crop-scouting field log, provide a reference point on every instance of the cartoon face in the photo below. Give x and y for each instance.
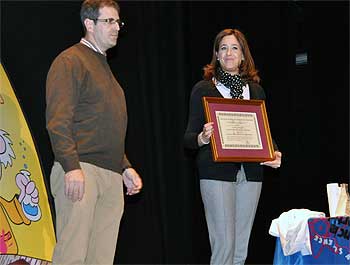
(6, 151)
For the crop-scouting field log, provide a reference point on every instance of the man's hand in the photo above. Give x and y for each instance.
(132, 181)
(276, 163)
(74, 184)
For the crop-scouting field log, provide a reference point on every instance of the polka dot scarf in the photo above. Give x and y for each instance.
(233, 82)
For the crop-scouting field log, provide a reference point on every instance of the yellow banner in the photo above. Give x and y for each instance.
(26, 227)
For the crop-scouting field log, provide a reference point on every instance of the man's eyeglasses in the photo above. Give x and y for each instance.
(111, 21)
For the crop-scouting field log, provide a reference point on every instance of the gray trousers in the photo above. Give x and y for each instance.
(230, 209)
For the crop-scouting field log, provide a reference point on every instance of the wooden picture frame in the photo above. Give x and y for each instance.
(241, 130)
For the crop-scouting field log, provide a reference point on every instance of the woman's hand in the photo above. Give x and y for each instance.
(274, 163)
(206, 133)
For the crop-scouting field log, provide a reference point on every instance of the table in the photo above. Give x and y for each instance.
(330, 244)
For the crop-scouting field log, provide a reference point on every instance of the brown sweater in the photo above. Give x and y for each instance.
(86, 111)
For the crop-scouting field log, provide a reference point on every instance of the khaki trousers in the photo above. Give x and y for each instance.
(87, 230)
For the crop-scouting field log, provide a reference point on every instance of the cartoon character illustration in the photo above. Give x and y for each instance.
(23, 208)
(20, 209)
(25, 213)
(6, 152)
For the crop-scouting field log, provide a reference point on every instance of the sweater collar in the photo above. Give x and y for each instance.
(91, 46)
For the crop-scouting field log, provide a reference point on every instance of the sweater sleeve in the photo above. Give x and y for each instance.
(196, 118)
(62, 96)
(125, 162)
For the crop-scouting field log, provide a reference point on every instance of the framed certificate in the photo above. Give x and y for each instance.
(241, 130)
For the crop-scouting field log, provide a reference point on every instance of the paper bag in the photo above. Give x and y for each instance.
(333, 193)
(343, 206)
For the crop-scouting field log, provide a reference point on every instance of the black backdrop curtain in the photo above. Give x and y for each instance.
(158, 58)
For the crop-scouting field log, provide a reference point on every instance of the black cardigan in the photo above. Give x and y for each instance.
(208, 169)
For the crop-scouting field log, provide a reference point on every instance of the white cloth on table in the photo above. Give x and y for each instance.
(292, 229)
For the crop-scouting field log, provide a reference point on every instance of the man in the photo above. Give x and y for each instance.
(86, 120)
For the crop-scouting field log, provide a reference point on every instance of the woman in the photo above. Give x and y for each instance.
(230, 191)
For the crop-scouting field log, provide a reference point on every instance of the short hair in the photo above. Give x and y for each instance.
(247, 68)
(91, 9)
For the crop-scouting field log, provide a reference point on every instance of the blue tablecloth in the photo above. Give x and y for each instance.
(329, 238)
